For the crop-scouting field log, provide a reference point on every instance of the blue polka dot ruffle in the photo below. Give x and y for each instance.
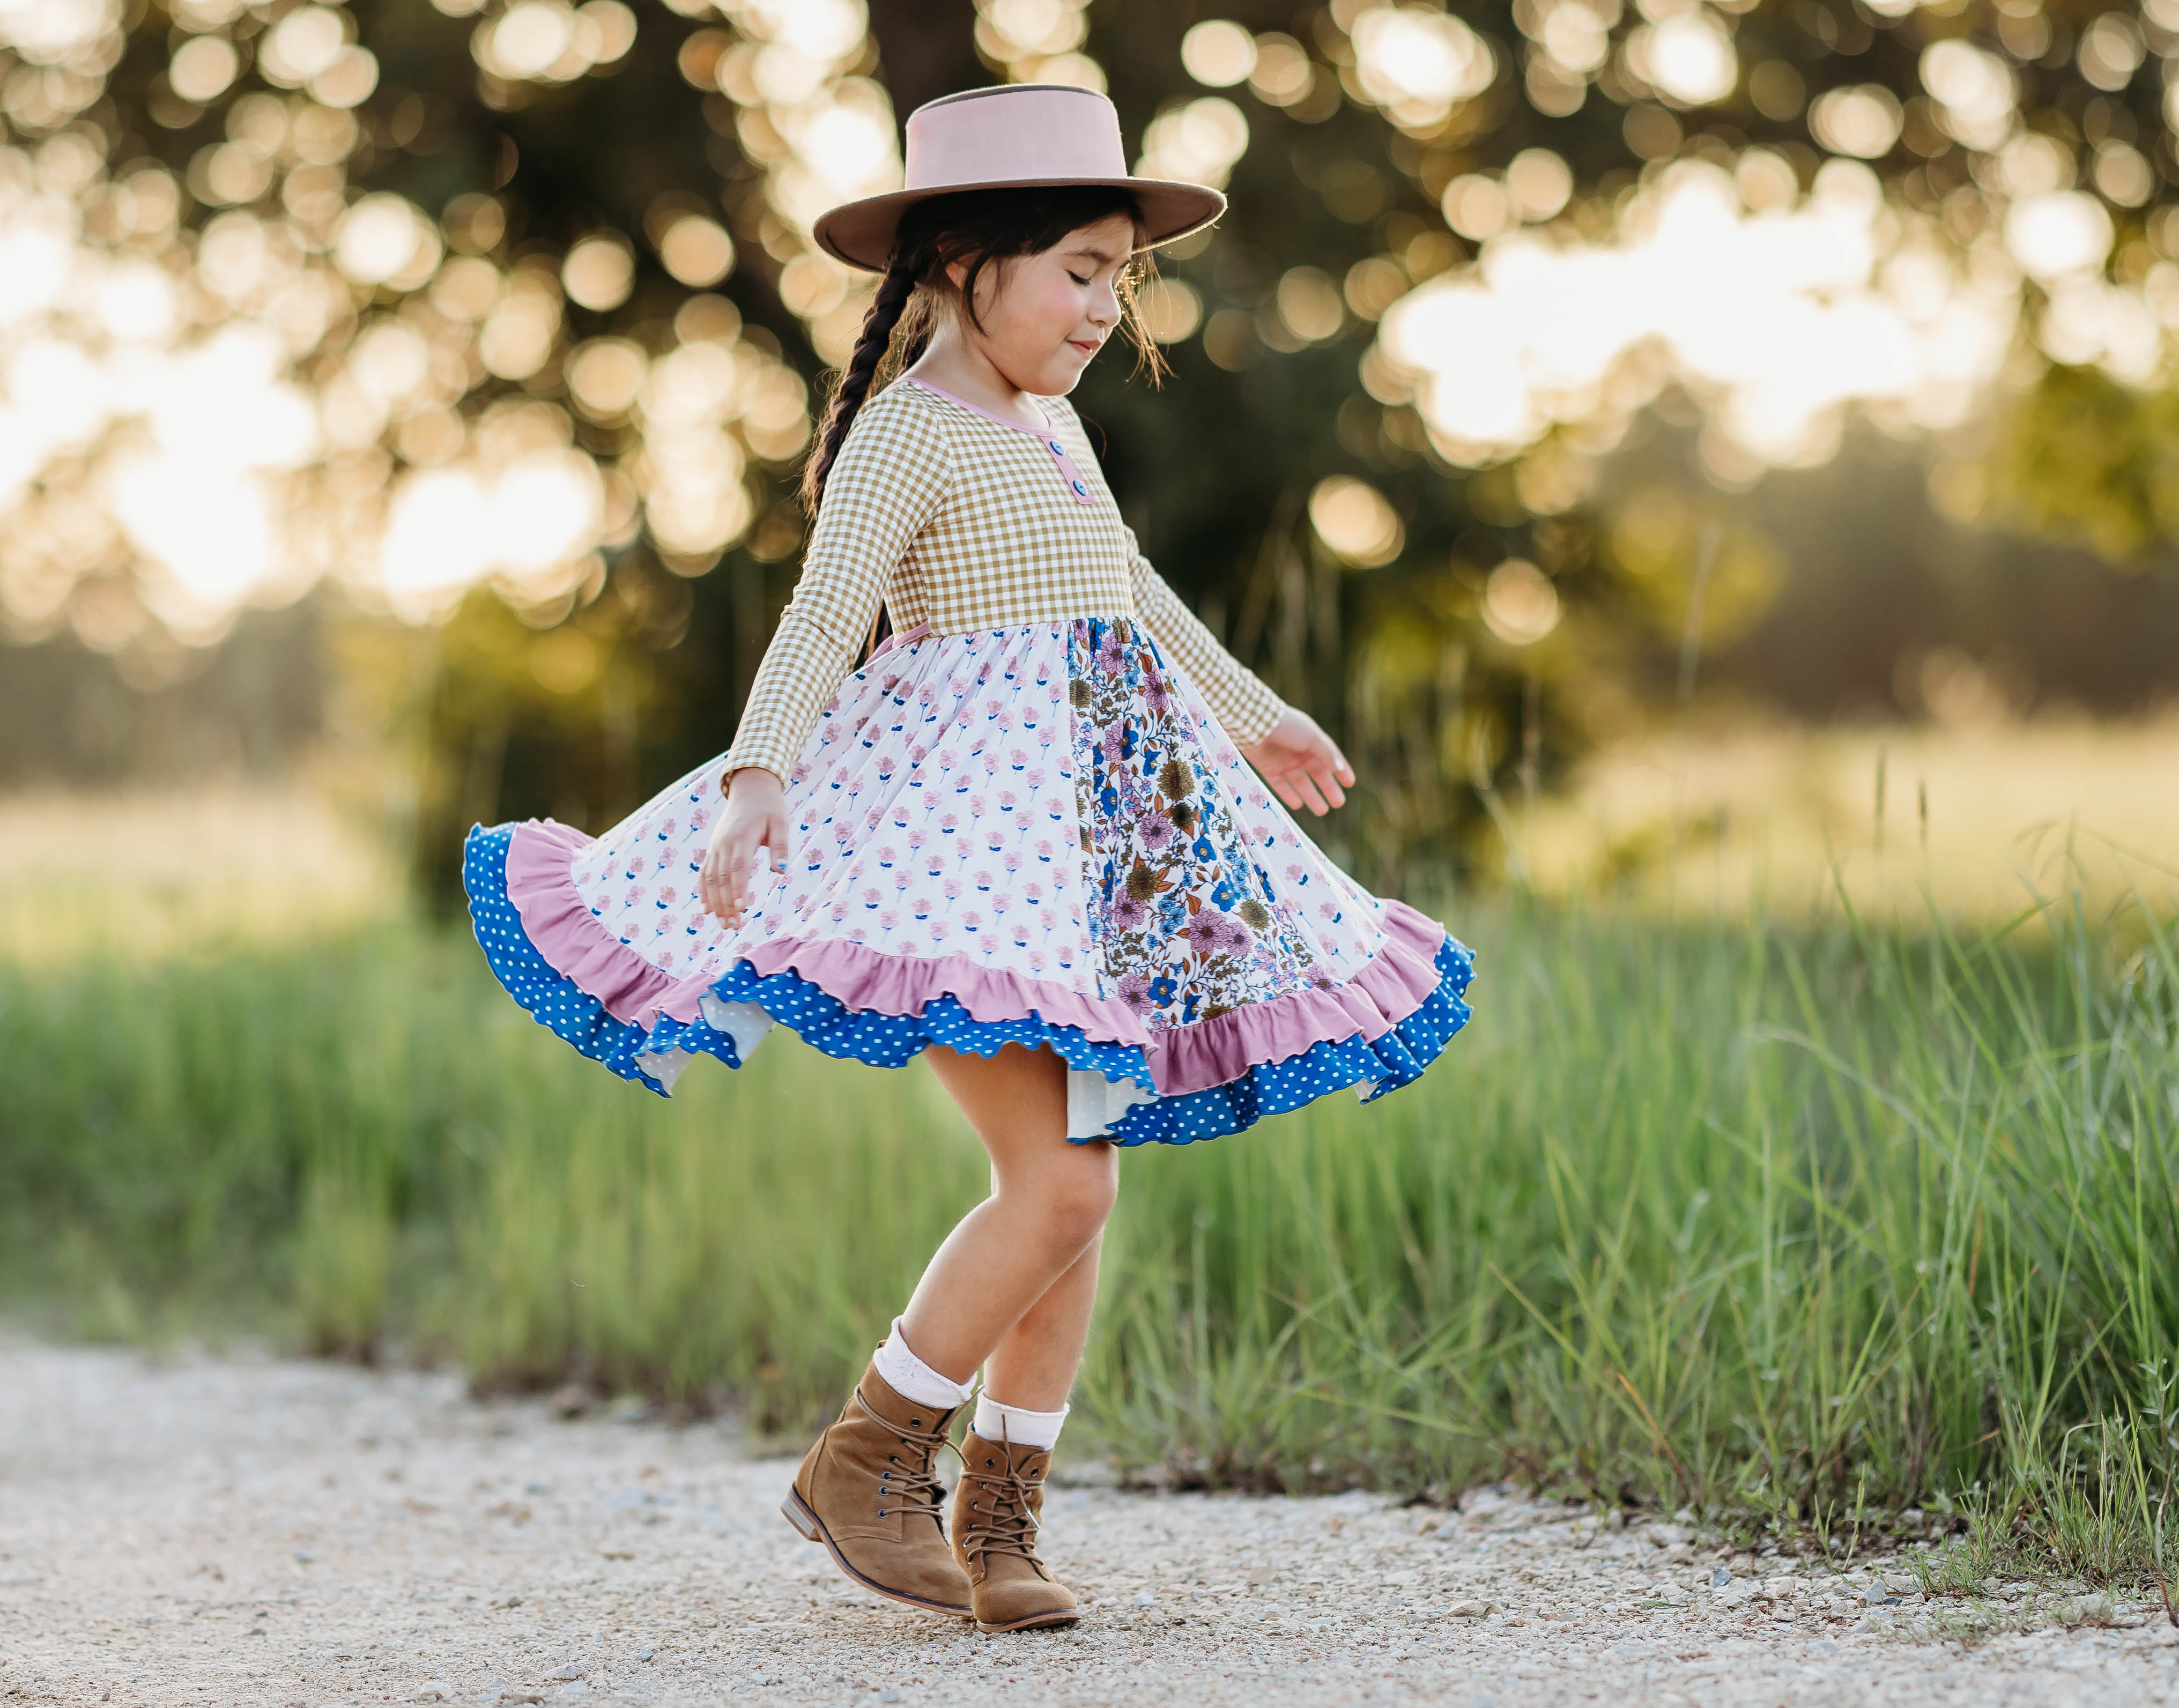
(893, 1041)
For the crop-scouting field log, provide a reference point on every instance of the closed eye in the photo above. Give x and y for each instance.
(1077, 278)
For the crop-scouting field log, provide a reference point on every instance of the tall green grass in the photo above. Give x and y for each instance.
(1809, 1225)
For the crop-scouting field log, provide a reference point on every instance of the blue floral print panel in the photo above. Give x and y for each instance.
(1183, 924)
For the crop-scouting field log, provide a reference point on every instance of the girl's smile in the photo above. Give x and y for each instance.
(1043, 318)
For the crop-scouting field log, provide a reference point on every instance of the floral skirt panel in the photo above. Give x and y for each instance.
(1036, 834)
(1185, 920)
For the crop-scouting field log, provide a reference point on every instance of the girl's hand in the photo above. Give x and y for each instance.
(1302, 765)
(756, 817)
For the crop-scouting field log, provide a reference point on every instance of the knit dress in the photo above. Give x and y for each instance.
(1025, 818)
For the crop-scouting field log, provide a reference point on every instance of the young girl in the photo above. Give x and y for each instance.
(1020, 841)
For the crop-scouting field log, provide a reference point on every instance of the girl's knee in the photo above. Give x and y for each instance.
(1076, 1198)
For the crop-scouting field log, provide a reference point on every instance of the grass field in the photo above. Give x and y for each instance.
(1801, 1226)
(1746, 814)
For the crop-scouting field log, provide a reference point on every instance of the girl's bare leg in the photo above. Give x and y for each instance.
(1011, 1286)
(1039, 1357)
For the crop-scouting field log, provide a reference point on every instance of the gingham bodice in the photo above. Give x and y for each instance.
(967, 522)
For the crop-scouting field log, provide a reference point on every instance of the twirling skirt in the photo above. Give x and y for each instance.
(1039, 833)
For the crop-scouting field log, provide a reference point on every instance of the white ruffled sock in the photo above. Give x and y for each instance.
(1016, 1425)
(912, 1379)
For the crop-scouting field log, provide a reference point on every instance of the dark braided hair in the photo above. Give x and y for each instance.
(871, 344)
(978, 227)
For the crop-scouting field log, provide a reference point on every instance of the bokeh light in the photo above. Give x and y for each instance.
(1172, 308)
(1862, 119)
(318, 383)
(1218, 53)
(697, 250)
(1520, 605)
(1973, 89)
(203, 66)
(1039, 41)
(1776, 316)
(823, 131)
(1417, 65)
(2111, 51)
(599, 273)
(1310, 304)
(1538, 184)
(302, 44)
(1688, 57)
(605, 377)
(1354, 519)
(412, 364)
(1284, 75)
(2058, 232)
(382, 237)
(1199, 140)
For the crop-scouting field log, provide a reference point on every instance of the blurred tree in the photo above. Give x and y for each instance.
(538, 334)
(2084, 457)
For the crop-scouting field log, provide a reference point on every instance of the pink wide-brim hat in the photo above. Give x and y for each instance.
(1015, 135)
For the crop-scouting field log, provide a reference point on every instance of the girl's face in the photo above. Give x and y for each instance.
(1045, 315)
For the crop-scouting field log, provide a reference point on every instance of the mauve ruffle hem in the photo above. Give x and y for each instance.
(1376, 1031)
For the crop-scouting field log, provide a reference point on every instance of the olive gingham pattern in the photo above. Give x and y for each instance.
(972, 524)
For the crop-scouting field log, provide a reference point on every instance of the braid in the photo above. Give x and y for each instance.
(870, 346)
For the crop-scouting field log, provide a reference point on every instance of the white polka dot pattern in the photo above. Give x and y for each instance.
(1039, 834)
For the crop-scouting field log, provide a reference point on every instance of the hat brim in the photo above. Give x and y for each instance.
(861, 233)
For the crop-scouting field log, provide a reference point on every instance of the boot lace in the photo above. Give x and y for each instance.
(915, 1486)
(1008, 1525)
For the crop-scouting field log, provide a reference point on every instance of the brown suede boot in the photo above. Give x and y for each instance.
(865, 1490)
(998, 1507)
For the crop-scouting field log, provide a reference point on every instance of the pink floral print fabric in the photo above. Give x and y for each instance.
(1053, 802)
(1185, 922)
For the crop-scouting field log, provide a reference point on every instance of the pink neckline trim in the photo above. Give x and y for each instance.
(1069, 470)
(1397, 980)
(1043, 432)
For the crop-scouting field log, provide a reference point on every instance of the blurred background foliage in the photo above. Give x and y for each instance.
(422, 383)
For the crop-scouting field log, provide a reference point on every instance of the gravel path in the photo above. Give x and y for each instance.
(221, 1531)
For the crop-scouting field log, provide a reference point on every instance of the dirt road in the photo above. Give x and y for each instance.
(216, 1531)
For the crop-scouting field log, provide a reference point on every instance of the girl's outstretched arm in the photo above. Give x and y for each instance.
(1302, 765)
(887, 481)
(1242, 700)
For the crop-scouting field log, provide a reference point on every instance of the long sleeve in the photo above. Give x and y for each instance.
(1242, 700)
(884, 487)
